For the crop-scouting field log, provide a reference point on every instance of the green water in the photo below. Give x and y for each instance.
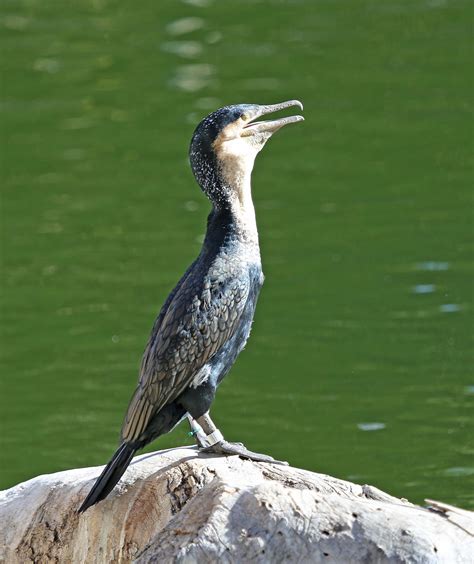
(360, 360)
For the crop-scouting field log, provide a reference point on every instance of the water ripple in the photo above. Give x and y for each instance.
(424, 289)
(449, 308)
(186, 49)
(192, 78)
(432, 266)
(371, 426)
(185, 25)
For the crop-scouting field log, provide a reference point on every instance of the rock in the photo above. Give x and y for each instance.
(182, 506)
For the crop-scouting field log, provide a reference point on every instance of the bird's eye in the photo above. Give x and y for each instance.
(244, 117)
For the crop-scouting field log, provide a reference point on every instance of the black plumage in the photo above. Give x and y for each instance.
(206, 319)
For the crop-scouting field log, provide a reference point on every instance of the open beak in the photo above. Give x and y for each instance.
(269, 127)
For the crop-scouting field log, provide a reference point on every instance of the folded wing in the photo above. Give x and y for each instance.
(197, 323)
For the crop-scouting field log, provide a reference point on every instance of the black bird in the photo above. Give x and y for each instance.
(206, 319)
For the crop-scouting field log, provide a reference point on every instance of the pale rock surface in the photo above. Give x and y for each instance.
(182, 506)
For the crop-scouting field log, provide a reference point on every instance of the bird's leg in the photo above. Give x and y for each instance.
(215, 443)
(197, 432)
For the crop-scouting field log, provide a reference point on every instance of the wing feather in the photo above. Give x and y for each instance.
(197, 323)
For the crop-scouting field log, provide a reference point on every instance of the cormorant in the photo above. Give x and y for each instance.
(206, 319)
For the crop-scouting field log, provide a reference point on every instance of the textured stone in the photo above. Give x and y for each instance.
(182, 506)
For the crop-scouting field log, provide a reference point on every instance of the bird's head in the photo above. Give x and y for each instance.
(226, 142)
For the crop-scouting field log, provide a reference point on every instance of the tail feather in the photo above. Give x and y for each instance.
(110, 476)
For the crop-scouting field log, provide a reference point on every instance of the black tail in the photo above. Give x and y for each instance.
(110, 476)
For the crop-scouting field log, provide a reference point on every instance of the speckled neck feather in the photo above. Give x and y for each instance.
(228, 186)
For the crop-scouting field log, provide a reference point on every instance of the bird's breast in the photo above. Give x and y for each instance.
(236, 258)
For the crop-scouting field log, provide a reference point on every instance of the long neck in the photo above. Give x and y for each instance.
(232, 223)
(227, 184)
(241, 206)
(234, 176)
(233, 210)
(228, 227)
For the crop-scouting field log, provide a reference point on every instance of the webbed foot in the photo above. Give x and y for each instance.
(224, 447)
